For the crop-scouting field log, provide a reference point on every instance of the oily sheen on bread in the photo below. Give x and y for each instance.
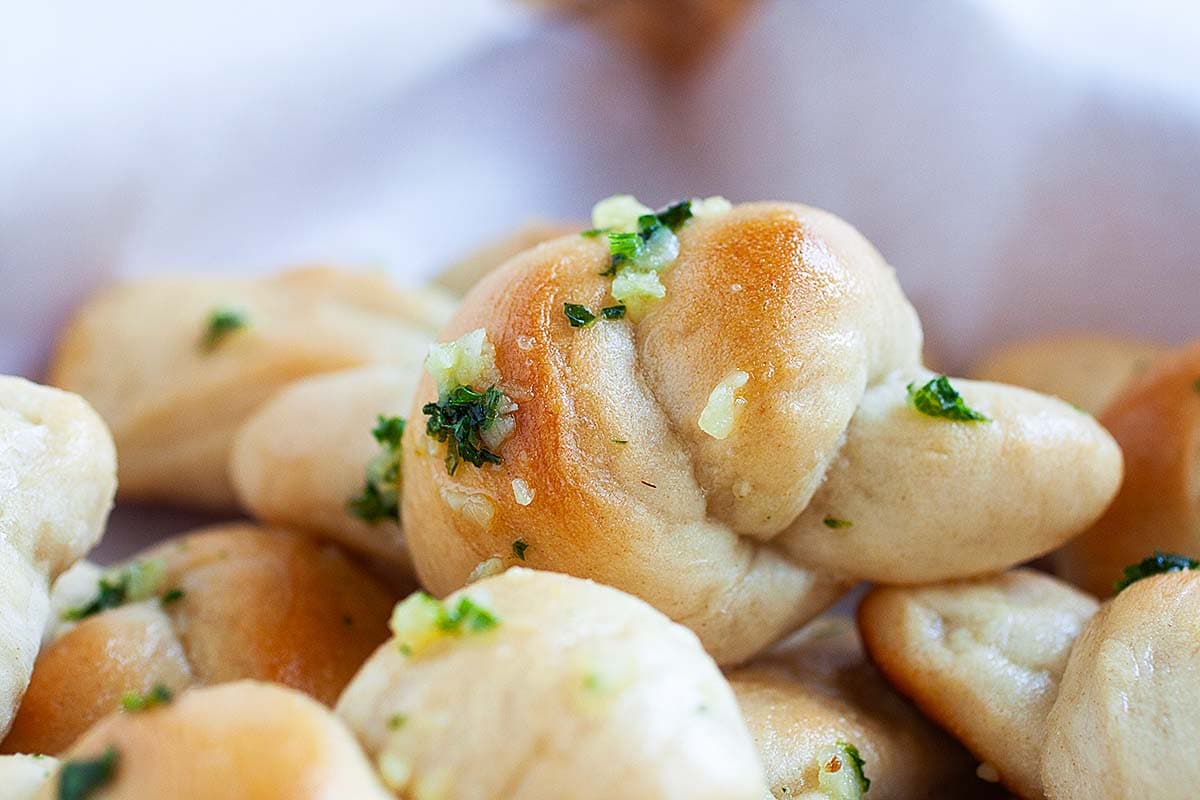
(819, 473)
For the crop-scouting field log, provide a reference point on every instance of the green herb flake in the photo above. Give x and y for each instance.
(578, 315)
(160, 695)
(135, 582)
(459, 420)
(397, 721)
(1196, 385)
(592, 233)
(856, 764)
(837, 524)
(468, 616)
(380, 497)
(172, 596)
(220, 324)
(939, 399)
(620, 441)
(79, 779)
(674, 215)
(613, 312)
(519, 547)
(1156, 564)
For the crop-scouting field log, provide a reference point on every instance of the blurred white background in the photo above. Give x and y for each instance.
(1027, 166)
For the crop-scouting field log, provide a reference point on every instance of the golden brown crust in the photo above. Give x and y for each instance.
(82, 676)
(982, 658)
(1087, 370)
(134, 351)
(1156, 420)
(630, 491)
(817, 690)
(257, 603)
(245, 740)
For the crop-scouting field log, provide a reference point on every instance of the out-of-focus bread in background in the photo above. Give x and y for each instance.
(463, 274)
(174, 388)
(1156, 420)
(674, 34)
(1084, 369)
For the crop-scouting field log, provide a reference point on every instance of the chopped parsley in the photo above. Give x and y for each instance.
(939, 399)
(674, 215)
(380, 498)
(592, 233)
(468, 616)
(837, 524)
(653, 245)
(137, 581)
(1196, 385)
(420, 620)
(160, 695)
(459, 420)
(856, 765)
(1155, 565)
(397, 721)
(79, 779)
(519, 548)
(578, 315)
(221, 323)
(172, 596)
(620, 441)
(613, 312)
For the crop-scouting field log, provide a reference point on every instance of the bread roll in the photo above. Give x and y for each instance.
(57, 478)
(301, 458)
(739, 451)
(175, 364)
(238, 741)
(1127, 717)
(982, 658)
(1087, 370)
(816, 694)
(1156, 420)
(1064, 702)
(547, 686)
(255, 603)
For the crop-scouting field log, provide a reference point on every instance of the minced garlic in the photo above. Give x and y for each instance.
(618, 213)
(720, 411)
(522, 492)
(470, 360)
